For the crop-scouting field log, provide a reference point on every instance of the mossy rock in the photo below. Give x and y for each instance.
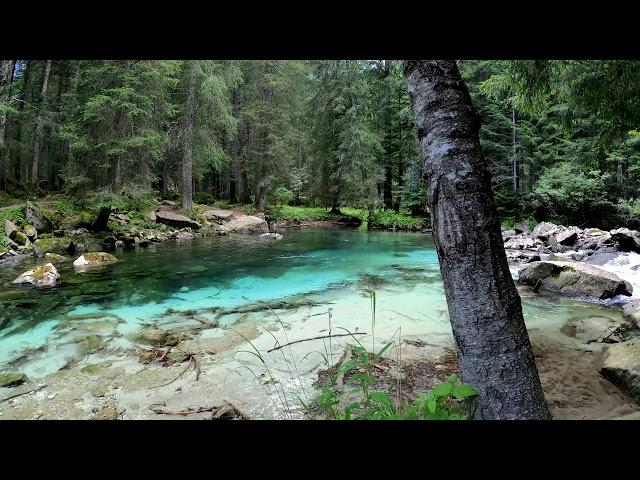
(53, 257)
(90, 344)
(20, 238)
(58, 245)
(94, 368)
(12, 379)
(94, 258)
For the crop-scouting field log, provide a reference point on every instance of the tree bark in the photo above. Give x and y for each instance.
(6, 77)
(40, 126)
(388, 162)
(494, 352)
(187, 160)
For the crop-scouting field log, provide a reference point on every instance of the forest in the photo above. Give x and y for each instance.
(245, 239)
(559, 136)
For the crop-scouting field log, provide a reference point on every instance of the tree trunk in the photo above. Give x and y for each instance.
(388, 173)
(187, 166)
(40, 126)
(6, 77)
(515, 158)
(494, 351)
(262, 195)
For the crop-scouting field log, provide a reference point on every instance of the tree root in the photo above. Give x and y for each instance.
(222, 412)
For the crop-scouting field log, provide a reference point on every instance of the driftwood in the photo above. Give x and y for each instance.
(315, 338)
(193, 360)
(221, 412)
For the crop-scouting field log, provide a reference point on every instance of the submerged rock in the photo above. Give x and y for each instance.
(54, 257)
(597, 329)
(573, 278)
(621, 365)
(628, 240)
(42, 276)
(94, 258)
(174, 219)
(12, 379)
(271, 236)
(35, 216)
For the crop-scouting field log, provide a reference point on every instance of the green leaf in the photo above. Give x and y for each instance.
(347, 366)
(384, 349)
(442, 390)
(453, 378)
(463, 391)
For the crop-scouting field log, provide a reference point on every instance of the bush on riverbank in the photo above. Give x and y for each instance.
(392, 220)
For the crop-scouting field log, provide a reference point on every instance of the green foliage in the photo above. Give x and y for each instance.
(16, 215)
(446, 401)
(578, 195)
(205, 198)
(392, 220)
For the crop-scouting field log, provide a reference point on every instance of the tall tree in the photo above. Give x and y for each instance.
(494, 351)
(6, 77)
(187, 165)
(40, 125)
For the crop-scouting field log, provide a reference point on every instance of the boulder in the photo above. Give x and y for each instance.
(598, 329)
(632, 312)
(507, 234)
(100, 223)
(12, 379)
(20, 238)
(217, 214)
(544, 230)
(10, 243)
(628, 240)
(246, 224)
(42, 276)
(573, 278)
(59, 245)
(53, 257)
(621, 365)
(522, 227)
(271, 236)
(36, 217)
(151, 217)
(174, 219)
(94, 258)
(567, 237)
(31, 232)
(157, 337)
(10, 229)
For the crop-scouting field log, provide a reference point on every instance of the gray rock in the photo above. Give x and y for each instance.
(174, 219)
(42, 276)
(36, 217)
(544, 230)
(218, 214)
(246, 224)
(12, 379)
(567, 237)
(632, 311)
(94, 258)
(573, 278)
(10, 229)
(628, 240)
(271, 236)
(621, 365)
(522, 227)
(31, 232)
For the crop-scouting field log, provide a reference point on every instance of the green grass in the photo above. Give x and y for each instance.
(400, 221)
(302, 214)
(508, 223)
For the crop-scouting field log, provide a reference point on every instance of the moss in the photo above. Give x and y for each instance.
(99, 257)
(94, 368)
(40, 272)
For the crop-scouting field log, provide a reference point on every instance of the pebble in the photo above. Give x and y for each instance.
(52, 396)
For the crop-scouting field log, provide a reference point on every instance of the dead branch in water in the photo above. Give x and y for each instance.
(316, 338)
(217, 412)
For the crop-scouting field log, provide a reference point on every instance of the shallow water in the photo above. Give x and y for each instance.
(40, 330)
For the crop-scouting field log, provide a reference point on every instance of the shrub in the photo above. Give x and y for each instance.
(204, 197)
(391, 219)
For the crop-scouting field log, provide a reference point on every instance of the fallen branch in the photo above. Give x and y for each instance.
(316, 338)
(217, 412)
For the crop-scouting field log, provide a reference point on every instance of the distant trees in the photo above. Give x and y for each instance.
(334, 132)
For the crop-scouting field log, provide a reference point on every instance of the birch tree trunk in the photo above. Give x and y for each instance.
(40, 126)
(187, 159)
(494, 351)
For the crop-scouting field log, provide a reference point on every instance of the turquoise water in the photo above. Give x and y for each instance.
(207, 273)
(213, 273)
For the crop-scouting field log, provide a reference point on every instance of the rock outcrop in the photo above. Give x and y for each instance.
(36, 217)
(621, 365)
(215, 214)
(573, 278)
(174, 219)
(42, 276)
(246, 224)
(628, 240)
